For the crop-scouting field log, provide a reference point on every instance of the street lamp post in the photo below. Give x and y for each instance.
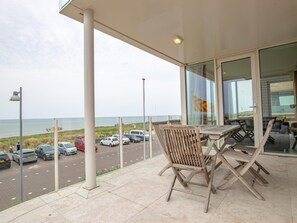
(17, 96)
(143, 81)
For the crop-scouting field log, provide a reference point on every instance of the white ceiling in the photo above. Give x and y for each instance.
(210, 28)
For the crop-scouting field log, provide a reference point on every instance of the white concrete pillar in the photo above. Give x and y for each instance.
(121, 142)
(151, 138)
(183, 95)
(56, 155)
(90, 154)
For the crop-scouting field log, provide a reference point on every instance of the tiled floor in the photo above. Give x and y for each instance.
(137, 194)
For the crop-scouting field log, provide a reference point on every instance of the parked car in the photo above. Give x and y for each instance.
(140, 134)
(46, 152)
(67, 148)
(4, 160)
(110, 141)
(28, 156)
(79, 143)
(132, 138)
(125, 140)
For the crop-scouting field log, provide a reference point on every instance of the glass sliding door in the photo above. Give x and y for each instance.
(238, 97)
(237, 89)
(278, 72)
(200, 82)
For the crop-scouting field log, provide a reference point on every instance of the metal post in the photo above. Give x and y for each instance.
(150, 133)
(56, 155)
(143, 100)
(121, 142)
(21, 147)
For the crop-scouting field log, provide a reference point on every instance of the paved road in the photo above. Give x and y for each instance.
(39, 177)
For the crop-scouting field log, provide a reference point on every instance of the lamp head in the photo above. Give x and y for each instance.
(177, 40)
(15, 96)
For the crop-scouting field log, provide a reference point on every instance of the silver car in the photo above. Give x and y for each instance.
(67, 148)
(29, 155)
(110, 141)
(125, 140)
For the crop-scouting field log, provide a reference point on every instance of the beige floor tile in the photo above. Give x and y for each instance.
(50, 197)
(142, 191)
(58, 219)
(67, 203)
(69, 190)
(275, 200)
(41, 214)
(120, 180)
(18, 210)
(101, 188)
(181, 208)
(105, 208)
(149, 215)
(165, 179)
(235, 212)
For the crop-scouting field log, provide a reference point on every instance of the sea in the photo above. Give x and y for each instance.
(11, 127)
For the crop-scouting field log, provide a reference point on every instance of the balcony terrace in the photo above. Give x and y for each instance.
(137, 194)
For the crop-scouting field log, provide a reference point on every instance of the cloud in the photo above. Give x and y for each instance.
(42, 51)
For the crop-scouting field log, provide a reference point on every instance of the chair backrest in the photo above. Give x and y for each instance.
(160, 134)
(183, 144)
(266, 121)
(260, 147)
(266, 135)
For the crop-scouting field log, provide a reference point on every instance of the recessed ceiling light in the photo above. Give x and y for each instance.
(177, 40)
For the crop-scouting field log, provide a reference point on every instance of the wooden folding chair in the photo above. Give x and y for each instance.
(246, 162)
(184, 150)
(236, 135)
(250, 150)
(161, 137)
(160, 134)
(248, 131)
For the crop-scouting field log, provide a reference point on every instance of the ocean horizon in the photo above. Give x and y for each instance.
(11, 127)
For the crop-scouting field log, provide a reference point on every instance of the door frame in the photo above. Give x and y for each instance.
(256, 88)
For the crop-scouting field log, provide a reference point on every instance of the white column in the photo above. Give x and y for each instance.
(56, 155)
(183, 95)
(121, 142)
(151, 139)
(143, 105)
(90, 155)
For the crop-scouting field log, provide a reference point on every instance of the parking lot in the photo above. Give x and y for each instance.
(39, 176)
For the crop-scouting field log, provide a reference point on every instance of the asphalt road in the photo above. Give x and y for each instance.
(39, 177)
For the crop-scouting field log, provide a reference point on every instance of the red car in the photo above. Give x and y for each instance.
(80, 144)
(4, 160)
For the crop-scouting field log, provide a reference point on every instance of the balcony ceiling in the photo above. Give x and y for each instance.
(210, 29)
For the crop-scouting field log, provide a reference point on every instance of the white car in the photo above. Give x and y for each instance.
(110, 141)
(140, 134)
(125, 140)
(67, 148)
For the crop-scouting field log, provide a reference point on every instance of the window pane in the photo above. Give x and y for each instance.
(200, 84)
(278, 69)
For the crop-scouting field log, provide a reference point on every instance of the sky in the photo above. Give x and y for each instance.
(42, 52)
